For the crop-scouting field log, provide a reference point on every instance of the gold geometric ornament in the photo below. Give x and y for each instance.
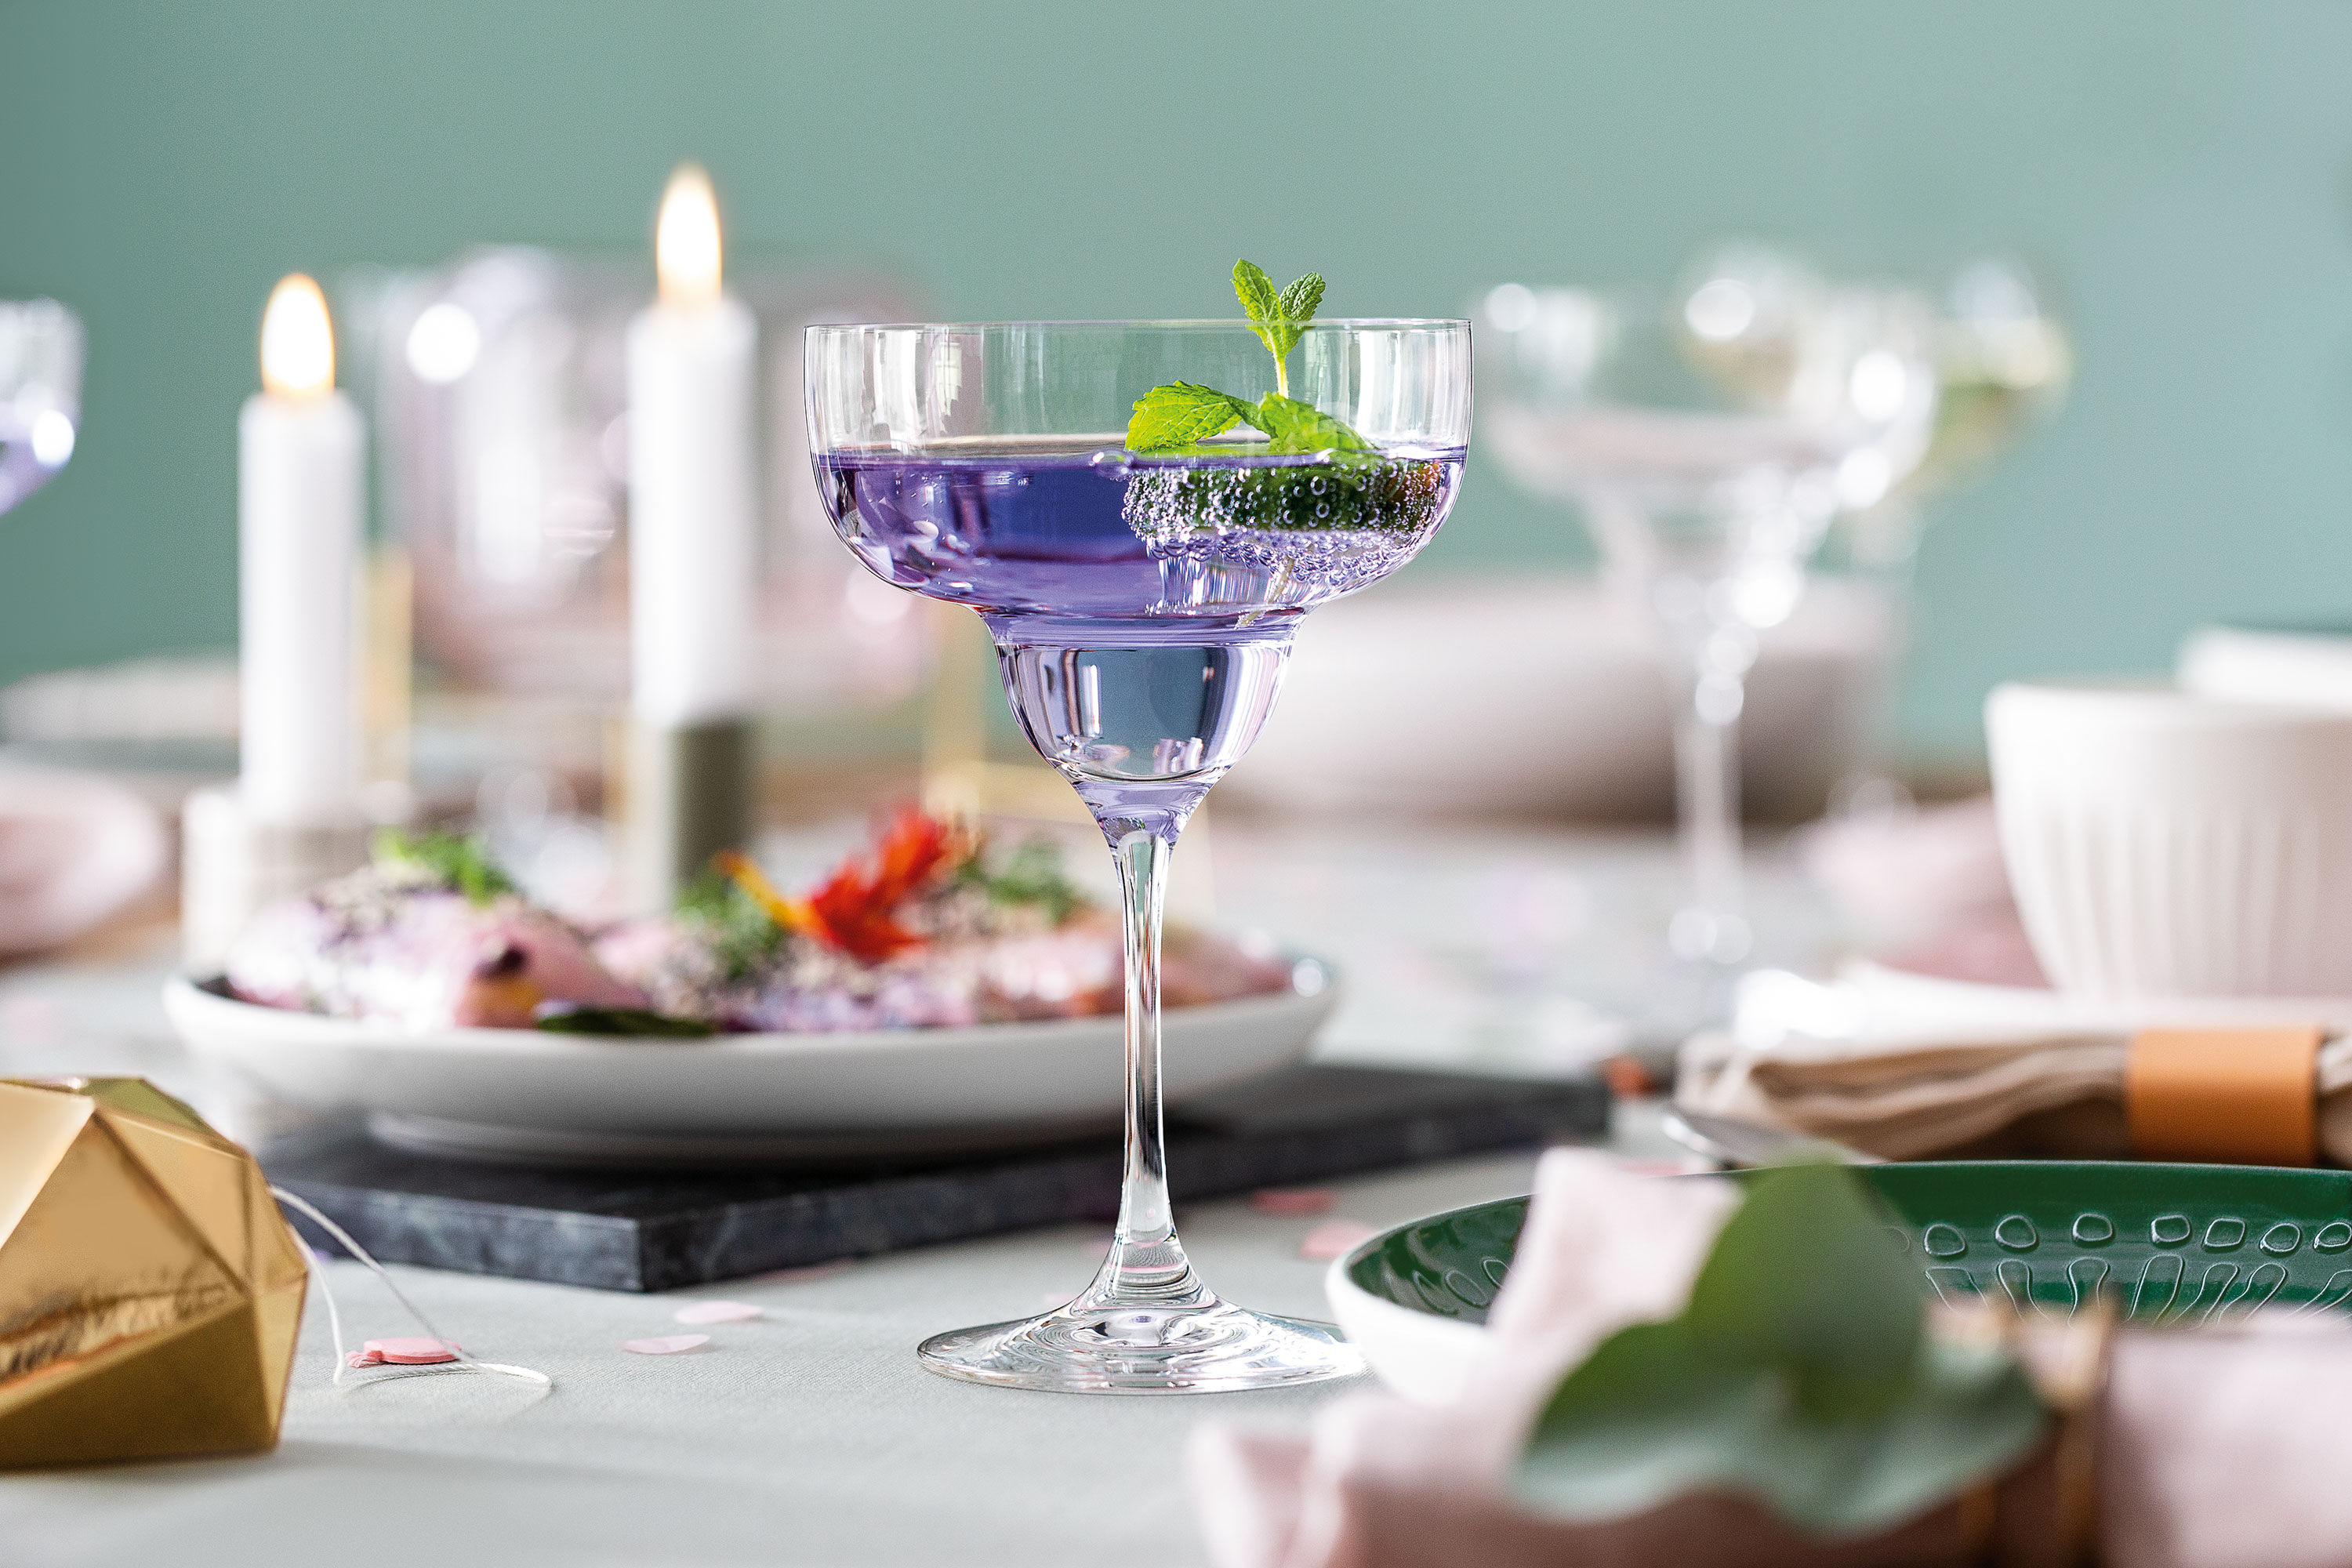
(150, 1291)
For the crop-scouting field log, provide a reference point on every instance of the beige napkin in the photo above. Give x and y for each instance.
(2041, 1095)
(2221, 1448)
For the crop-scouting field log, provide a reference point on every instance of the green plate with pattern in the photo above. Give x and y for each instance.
(2177, 1244)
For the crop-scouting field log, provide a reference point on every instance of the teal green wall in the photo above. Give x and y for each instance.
(2186, 169)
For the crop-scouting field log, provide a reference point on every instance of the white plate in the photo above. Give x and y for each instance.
(523, 1095)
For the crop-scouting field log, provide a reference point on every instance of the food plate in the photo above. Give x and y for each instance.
(517, 1094)
(2177, 1244)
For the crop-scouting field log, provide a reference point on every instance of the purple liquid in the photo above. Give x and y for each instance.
(1142, 608)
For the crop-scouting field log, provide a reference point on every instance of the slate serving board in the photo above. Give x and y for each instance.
(638, 1230)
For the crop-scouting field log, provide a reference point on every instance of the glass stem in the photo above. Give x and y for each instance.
(1146, 1264)
(1712, 924)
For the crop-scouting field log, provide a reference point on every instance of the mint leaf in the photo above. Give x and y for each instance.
(1300, 299)
(1259, 302)
(459, 863)
(1295, 427)
(1179, 414)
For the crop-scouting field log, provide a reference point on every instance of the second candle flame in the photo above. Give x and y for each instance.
(686, 240)
(297, 342)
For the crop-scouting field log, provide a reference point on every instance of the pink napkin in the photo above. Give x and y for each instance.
(2223, 1448)
(1379, 1482)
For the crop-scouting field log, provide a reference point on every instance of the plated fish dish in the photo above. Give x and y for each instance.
(927, 927)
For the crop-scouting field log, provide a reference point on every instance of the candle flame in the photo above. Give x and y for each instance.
(686, 238)
(298, 341)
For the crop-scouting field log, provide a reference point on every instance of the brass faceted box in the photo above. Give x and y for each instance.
(150, 1291)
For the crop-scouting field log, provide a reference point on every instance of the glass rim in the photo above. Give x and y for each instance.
(1235, 323)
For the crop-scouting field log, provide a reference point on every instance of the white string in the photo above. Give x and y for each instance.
(335, 1319)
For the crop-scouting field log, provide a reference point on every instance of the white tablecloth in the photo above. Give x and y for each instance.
(811, 1436)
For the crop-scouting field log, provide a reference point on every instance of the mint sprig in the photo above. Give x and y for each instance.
(458, 862)
(1181, 416)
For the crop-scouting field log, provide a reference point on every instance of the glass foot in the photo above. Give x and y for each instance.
(1092, 1347)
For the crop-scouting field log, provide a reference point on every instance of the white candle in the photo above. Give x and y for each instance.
(301, 453)
(693, 553)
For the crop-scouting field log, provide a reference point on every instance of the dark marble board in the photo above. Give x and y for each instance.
(640, 1230)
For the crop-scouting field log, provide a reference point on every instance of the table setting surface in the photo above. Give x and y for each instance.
(812, 1434)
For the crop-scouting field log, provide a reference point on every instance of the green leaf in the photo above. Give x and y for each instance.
(1260, 302)
(738, 929)
(1031, 874)
(634, 1023)
(1180, 413)
(1300, 301)
(458, 862)
(1800, 1373)
(1660, 1410)
(1298, 305)
(1846, 1324)
(1292, 428)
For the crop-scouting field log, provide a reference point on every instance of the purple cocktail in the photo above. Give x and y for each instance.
(1142, 608)
(1142, 587)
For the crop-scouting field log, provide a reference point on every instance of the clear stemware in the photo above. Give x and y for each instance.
(1142, 608)
(41, 394)
(1709, 437)
(2003, 361)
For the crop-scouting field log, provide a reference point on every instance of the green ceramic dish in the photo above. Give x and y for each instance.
(2177, 1244)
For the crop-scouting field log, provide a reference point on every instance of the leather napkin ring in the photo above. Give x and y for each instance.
(2239, 1096)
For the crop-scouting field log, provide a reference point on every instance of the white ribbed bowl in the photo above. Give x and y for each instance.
(2165, 845)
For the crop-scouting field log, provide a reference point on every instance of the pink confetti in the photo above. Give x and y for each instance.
(1294, 1200)
(666, 1344)
(412, 1351)
(362, 1358)
(717, 1312)
(1335, 1238)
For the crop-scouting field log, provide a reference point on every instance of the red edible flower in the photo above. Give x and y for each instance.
(854, 906)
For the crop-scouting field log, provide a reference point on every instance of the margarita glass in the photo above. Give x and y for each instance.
(1709, 479)
(1143, 606)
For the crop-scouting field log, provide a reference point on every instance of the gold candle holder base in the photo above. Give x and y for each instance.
(689, 796)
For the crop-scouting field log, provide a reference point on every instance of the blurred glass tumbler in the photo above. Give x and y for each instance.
(41, 394)
(501, 400)
(150, 1292)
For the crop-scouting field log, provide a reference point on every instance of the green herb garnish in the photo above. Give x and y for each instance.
(741, 933)
(1031, 874)
(634, 1022)
(459, 862)
(1802, 1374)
(1180, 415)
